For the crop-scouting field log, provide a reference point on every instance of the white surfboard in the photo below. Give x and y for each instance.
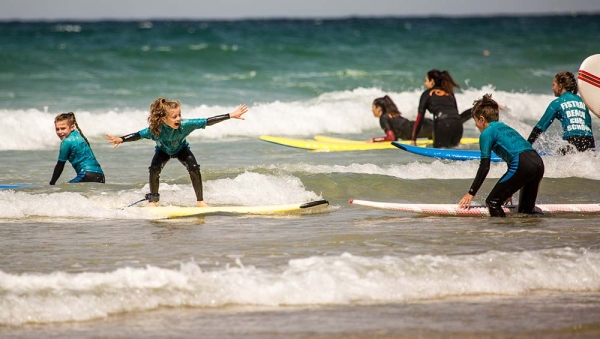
(588, 82)
(475, 210)
(178, 211)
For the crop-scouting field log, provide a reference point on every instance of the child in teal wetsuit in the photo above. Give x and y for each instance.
(169, 131)
(572, 113)
(525, 166)
(76, 149)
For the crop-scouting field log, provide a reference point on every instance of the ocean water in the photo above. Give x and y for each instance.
(74, 262)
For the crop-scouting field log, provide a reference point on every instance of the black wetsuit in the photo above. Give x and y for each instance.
(466, 115)
(447, 123)
(402, 128)
(186, 157)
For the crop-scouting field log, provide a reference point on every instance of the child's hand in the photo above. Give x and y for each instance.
(237, 114)
(115, 140)
(465, 202)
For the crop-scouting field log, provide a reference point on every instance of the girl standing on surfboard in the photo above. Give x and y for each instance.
(572, 113)
(75, 148)
(439, 99)
(169, 131)
(394, 124)
(525, 166)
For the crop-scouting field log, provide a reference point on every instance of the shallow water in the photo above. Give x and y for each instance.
(75, 262)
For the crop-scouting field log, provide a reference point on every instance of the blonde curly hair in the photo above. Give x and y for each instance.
(159, 109)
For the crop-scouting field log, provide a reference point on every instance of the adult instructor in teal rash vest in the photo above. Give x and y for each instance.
(525, 166)
(572, 113)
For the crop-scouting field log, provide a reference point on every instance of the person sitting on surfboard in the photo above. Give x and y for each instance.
(75, 148)
(169, 131)
(572, 113)
(525, 166)
(394, 124)
(439, 99)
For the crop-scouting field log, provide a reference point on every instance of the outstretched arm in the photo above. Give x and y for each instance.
(389, 136)
(118, 140)
(237, 114)
(545, 122)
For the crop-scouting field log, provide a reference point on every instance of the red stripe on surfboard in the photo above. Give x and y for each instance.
(589, 78)
(593, 76)
(591, 82)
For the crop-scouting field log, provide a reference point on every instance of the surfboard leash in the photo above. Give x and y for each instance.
(137, 202)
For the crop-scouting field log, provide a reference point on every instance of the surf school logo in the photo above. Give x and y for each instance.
(439, 93)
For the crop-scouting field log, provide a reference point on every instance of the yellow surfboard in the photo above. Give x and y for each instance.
(178, 211)
(321, 146)
(420, 142)
(328, 144)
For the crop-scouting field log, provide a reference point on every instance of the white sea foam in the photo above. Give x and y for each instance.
(246, 189)
(580, 165)
(318, 280)
(341, 112)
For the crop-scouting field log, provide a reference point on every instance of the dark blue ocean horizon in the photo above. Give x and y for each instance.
(99, 64)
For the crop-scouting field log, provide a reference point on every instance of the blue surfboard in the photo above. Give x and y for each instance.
(12, 187)
(445, 154)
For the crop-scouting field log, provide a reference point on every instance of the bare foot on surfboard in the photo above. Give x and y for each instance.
(203, 204)
(152, 204)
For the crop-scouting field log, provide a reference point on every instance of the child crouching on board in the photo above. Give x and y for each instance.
(75, 148)
(169, 131)
(525, 166)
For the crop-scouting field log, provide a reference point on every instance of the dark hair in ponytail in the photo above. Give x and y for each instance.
(487, 108)
(387, 105)
(443, 79)
(71, 120)
(567, 81)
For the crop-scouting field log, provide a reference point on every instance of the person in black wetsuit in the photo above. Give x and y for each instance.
(394, 124)
(439, 99)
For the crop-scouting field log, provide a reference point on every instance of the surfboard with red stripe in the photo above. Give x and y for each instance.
(475, 210)
(588, 82)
